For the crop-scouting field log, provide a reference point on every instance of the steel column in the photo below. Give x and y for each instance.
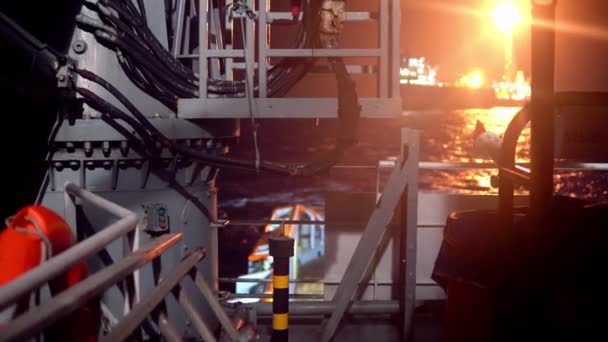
(262, 47)
(203, 49)
(395, 48)
(542, 113)
(383, 76)
(410, 148)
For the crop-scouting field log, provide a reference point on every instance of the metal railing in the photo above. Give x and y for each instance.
(33, 322)
(256, 49)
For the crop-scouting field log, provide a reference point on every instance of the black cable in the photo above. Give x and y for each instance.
(128, 104)
(102, 106)
(142, 8)
(162, 174)
(176, 85)
(216, 86)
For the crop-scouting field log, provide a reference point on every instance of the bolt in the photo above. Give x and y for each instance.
(124, 148)
(80, 46)
(88, 148)
(105, 147)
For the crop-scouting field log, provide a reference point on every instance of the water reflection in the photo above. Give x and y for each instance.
(446, 136)
(455, 144)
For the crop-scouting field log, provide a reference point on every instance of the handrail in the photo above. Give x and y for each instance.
(62, 262)
(31, 323)
(84, 249)
(141, 310)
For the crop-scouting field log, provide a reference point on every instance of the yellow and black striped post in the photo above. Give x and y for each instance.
(281, 249)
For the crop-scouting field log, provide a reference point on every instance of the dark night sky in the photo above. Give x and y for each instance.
(453, 37)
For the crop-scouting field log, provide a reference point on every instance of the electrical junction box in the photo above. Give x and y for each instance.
(157, 218)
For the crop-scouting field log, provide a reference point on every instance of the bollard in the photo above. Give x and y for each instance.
(281, 249)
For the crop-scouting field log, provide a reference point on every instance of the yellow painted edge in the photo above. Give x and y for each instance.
(280, 281)
(279, 321)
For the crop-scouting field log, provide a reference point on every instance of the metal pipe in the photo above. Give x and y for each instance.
(198, 322)
(62, 262)
(214, 305)
(141, 310)
(326, 307)
(96, 200)
(31, 323)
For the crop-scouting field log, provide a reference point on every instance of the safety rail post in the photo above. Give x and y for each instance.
(281, 250)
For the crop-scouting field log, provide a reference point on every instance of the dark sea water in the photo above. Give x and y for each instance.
(446, 136)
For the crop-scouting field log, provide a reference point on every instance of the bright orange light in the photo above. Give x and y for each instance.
(506, 15)
(474, 79)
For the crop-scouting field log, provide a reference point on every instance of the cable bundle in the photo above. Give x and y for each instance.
(158, 73)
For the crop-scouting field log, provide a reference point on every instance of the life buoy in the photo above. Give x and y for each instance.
(32, 236)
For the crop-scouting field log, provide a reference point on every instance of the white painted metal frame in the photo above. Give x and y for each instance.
(386, 104)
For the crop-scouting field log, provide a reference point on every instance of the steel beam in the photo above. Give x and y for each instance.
(321, 107)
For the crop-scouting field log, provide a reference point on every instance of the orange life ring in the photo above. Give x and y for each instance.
(33, 235)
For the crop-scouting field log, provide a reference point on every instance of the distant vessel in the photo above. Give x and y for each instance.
(420, 89)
